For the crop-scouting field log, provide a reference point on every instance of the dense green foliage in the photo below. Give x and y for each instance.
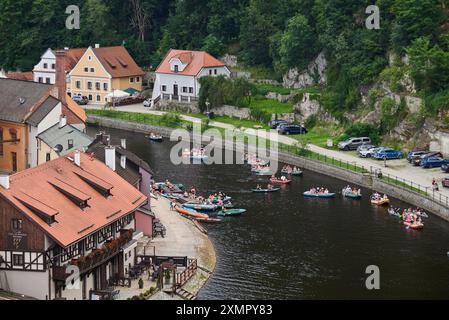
(272, 36)
(361, 130)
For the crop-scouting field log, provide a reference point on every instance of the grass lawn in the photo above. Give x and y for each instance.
(263, 89)
(318, 135)
(240, 123)
(270, 106)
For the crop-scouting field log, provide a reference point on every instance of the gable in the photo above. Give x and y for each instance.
(89, 60)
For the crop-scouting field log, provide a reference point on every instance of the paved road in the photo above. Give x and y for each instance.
(398, 168)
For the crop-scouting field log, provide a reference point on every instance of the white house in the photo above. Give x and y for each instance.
(178, 74)
(45, 70)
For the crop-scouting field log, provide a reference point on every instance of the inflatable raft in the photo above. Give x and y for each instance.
(319, 195)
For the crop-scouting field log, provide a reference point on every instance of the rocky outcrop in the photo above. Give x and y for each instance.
(230, 60)
(307, 107)
(315, 73)
(280, 97)
(231, 111)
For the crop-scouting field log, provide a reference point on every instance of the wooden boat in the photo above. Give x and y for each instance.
(266, 190)
(351, 195)
(231, 212)
(279, 181)
(318, 195)
(191, 213)
(380, 202)
(200, 206)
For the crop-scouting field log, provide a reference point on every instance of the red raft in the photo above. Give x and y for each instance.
(279, 181)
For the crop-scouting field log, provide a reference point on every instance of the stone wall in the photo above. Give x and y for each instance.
(231, 111)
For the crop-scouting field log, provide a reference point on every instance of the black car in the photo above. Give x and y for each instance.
(415, 153)
(445, 168)
(275, 123)
(416, 161)
(292, 129)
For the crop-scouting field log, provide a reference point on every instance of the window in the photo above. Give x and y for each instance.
(92, 70)
(13, 134)
(191, 90)
(53, 66)
(98, 98)
(98, 86)
(89, 85)
(137, 79)
(90, 58)
(78, 84)
(70, 144)
(176, 68)
(16, 224)
(41, 80)
(47, 80)
(105, 86)
(131, 80)
(184, 89)
(210, 72)
(17, 259)
(45, 66)
(90, 97)
(164, 88)
(86, 69)
(14, 161)
(48, 157)
(215, 71)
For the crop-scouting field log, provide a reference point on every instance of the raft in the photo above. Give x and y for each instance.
(380, 202)
(231, 212)
(292, 173)
(191, 213)
(351, 195)
(414, 226)
(318, 195)
(266, 190)
(200, 206)
(279, 181)
(155, 138)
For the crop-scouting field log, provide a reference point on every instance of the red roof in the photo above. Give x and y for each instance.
(118, 62)
(52, 189)
(27, 76)
(195, 60)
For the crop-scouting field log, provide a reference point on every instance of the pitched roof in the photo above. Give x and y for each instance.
(51, 185)
(75, 108)
(19, 99)
(117, 61)
(55, 136)
(195, 60)
(72, 56)
(42, 111)
(26, 76)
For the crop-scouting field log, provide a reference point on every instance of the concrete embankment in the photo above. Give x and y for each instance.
(365, 180)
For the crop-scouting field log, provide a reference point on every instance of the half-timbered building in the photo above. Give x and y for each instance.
(66, 228)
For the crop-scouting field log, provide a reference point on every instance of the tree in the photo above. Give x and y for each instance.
(139, 18)
(213, 45)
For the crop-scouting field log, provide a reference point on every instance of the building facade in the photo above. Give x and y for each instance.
(69, 214)
(45, 70)
(177, 77)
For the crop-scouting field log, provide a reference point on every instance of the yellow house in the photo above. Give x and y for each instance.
(101, 70)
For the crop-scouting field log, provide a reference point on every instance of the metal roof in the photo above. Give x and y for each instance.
(55, 136)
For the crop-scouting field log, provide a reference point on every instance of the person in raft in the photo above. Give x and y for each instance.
(284, 178)
(269, 187)
(258, 187)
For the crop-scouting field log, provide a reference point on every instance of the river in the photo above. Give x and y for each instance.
(289, 247)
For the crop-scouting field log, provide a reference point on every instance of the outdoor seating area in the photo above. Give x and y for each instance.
(158, 228)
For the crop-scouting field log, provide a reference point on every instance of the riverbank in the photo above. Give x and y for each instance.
(322, 161)
(183, 238)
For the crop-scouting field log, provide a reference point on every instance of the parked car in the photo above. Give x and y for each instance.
(416, 161)
(275, 123)
(353, 143)
(147, 103)
(368, 153)
(365, 147)
(81, 100)
(292, 129)
(388, 153)
(415, 153)
(446, 182)
(445, 168)
(433, 162)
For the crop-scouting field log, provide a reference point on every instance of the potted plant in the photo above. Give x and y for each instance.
(140, 283)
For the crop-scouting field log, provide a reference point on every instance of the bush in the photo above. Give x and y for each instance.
(362, 130)
(311, 121)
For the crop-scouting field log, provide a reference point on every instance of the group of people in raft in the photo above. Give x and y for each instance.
(377, 196)
(355, 191)
(319, 190)
(289, 169)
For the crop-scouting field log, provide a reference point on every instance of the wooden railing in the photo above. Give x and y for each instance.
(187, 274)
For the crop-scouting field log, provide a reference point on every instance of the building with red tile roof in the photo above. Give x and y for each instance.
(178, 73)
(70, 211)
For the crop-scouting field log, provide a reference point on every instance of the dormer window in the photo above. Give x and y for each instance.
(176, 68)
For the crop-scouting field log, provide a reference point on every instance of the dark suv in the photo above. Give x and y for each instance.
(291, 129)
(276, 123)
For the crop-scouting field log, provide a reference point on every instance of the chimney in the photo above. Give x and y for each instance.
(123, 161)
(4, 180)
(97, 45)
(77, 158)
(62, 121)
(123, 143)
(110, 157)
(60, 75)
